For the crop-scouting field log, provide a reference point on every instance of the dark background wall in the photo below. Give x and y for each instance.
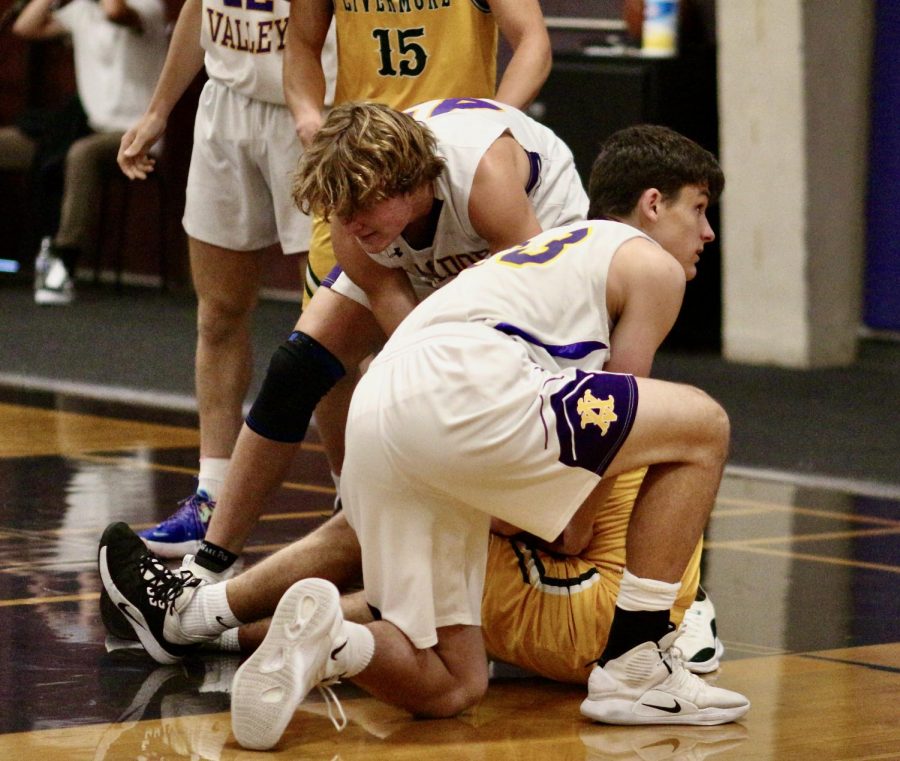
(600, 83)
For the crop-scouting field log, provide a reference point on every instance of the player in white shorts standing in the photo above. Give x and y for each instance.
(478, 176)
(238, 205)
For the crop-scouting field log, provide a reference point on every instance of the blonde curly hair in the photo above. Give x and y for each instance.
(363, 154)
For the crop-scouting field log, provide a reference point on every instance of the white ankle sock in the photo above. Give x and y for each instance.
(359, 651)
(208, 612)
(646, 594)
(212, 475)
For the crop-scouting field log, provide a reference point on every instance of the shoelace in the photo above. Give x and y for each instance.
(685, 683)
(692, 623)
(187, 506)
(332, 700)
(163, 585)
(674, 651)
(680, 678)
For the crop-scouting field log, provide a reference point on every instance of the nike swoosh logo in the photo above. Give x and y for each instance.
(668, 709)
(126, 610)
(221, 623)
(334, 653)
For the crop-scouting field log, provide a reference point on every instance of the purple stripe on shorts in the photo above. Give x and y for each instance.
(568, 351)
(329, 279)
(594, 414)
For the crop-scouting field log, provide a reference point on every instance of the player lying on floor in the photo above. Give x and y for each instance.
(543, 611)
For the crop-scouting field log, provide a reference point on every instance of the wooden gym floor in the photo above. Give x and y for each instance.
(805, 582)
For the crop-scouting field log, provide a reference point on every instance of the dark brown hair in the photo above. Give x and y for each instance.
(648, 156)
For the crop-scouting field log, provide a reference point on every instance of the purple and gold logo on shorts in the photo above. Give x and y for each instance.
(598, 412)
(594, 413)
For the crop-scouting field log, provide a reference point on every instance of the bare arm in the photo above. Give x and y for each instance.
(119, 12)
(183, 62)
(645, 289)
(522, 25)
(499, 209)
(645, 307)
(304, 80)
(36, 22)
(389, 291)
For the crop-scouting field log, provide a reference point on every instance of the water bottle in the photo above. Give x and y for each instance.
(660, 28)
(43, 261)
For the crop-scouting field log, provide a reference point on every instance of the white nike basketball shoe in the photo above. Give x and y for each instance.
(304, 648)
(650, 685)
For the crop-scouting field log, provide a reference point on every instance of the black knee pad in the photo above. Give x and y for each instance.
(300, 373)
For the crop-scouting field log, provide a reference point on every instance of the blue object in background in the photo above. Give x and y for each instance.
(882, 286)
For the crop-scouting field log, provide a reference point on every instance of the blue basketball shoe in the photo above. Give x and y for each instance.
(181, 533)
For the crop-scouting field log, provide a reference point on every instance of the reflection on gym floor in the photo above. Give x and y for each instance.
(805, 583)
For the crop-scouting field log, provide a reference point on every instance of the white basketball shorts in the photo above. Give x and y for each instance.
(450, 426)
(239, 184)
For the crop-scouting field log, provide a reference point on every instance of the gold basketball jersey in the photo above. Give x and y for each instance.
(403, 52)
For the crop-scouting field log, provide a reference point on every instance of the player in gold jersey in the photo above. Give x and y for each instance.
(403, 52)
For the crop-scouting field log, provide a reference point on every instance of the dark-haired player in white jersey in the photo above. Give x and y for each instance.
(491, 400)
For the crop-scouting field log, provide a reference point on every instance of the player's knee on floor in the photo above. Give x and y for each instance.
(454, 701)
(300, 373)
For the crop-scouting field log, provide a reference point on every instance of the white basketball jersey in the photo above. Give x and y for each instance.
(244, 43)
(568, 326)
(465, 128)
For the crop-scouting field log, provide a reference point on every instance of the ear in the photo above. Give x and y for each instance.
(649, 204)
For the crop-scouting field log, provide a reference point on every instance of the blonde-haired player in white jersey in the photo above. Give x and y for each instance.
(238, 205)
(404, 53)
(410, 203)
(464, 129)
(396, 53)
